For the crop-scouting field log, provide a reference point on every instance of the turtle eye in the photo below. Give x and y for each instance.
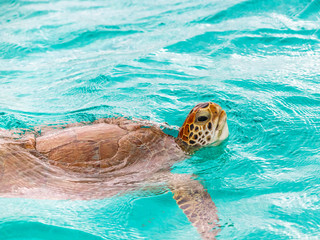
(202, 118)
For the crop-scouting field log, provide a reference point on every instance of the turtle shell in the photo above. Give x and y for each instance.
(107, 145)
(82, 147)
(85, 162)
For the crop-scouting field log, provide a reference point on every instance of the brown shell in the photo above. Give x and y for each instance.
(84, 161)
(81, 147)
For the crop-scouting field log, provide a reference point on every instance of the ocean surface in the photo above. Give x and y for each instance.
(71, 61)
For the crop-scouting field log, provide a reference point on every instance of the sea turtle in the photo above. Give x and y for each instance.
(111, 156)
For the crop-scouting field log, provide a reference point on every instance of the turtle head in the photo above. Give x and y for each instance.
(206, 124)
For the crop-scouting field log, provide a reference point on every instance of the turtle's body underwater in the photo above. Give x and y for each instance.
(111, 156)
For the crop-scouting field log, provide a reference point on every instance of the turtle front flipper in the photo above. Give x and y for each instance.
(196, 203)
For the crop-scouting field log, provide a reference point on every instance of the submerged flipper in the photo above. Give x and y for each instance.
(196, 204)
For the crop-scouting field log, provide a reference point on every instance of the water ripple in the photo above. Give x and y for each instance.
(32, 230)
(77, 61)
(250, 7)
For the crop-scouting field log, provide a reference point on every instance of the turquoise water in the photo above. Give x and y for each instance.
(70, 61)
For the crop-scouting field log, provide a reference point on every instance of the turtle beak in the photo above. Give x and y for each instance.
(222, 130)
